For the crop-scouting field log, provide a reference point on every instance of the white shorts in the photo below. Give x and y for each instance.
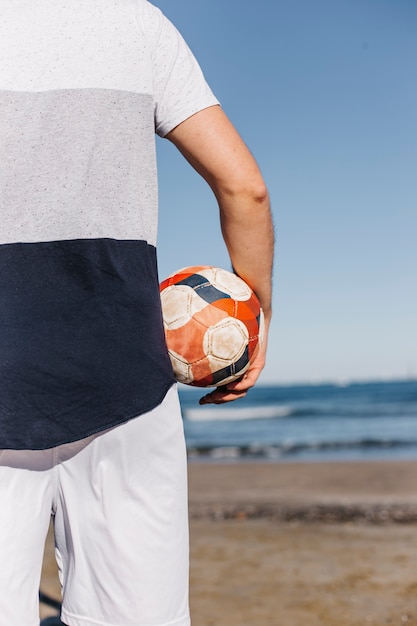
(119, 504)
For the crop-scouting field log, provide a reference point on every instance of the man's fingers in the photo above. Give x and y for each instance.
(222, 395)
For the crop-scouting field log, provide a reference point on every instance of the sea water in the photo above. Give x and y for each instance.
(358, 421)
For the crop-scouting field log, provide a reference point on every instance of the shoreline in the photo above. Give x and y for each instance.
(374, 491)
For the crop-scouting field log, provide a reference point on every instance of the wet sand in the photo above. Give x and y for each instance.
(313, 544)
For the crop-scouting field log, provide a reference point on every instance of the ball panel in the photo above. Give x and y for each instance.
(241, 309)
(179, 304)
(181, 275)
(209, 316)
(207, 381)
(202, 370)
(252, 327)
(231, 284)
(187, 341)
(247, 309)
(228, 305)
(231, 372)
(226, 340)
(182, 370)
(253, 347)
(206, 290)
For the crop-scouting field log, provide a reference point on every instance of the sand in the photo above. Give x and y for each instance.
(313, 544)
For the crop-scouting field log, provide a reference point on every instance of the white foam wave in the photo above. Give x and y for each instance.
(238, 413)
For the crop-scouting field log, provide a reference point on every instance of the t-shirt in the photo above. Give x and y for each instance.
(84, 86)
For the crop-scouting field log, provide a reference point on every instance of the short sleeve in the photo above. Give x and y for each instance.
(180, 89)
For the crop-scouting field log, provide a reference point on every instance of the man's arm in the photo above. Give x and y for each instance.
(211, 144)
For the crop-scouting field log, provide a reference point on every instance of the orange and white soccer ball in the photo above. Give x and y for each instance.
(213, 325)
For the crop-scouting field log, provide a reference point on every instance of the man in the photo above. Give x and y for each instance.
(90, 425)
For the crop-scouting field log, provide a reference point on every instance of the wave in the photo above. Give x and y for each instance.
(238, 413)
(274, 411)
(288, 449)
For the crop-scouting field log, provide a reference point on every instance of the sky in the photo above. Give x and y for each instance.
(324, 94)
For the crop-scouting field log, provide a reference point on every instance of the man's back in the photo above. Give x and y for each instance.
(83, 88)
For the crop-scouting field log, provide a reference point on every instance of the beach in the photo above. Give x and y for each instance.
(313, 544)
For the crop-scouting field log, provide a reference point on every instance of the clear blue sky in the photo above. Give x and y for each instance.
(324, 94)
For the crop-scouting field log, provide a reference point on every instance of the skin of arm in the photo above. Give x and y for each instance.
(211, 144)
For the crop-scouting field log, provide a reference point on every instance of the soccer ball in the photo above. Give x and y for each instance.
(213, 325)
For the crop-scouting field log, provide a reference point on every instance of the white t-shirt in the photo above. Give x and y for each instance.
(84, 86)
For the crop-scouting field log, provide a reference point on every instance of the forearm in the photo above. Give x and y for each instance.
(248, 233)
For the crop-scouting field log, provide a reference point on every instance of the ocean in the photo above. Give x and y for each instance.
(328, 422)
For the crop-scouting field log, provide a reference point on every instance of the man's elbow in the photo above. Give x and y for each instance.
(260, 193)
(254, 195)
(250, 192)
